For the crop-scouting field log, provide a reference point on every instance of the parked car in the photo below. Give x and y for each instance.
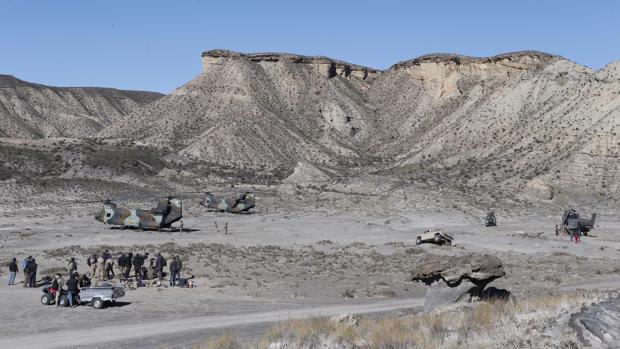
(437, 237)
(97, 296)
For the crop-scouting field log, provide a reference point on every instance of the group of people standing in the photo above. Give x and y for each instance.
(575, 234)
(130, 264)
(101, 268)
(29, 268)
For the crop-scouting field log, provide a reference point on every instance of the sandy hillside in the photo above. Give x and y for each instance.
(30, 110)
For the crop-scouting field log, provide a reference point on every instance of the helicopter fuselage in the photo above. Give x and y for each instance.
(243, 203)
(164, 215)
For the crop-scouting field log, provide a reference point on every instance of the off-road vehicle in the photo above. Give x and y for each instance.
(437, 237)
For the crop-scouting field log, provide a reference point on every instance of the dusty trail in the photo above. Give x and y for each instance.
(602, 284)
(126, 332)
(103, 336)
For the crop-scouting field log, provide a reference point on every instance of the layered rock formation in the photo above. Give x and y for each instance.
(30, 110)
(265, 110)
(454, 279)
(325, 66)
(597, 325)
(478, 269)
(527, 121)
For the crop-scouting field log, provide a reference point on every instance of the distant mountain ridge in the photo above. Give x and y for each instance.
(514, 119)
(528, 122)
(29, 110)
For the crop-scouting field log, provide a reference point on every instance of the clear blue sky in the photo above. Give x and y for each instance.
(156, 45)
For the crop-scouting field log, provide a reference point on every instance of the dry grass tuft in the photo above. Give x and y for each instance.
(478, 325)
(225, 341)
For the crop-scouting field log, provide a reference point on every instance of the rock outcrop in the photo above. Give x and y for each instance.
(597, 325)
(455, 279)
(327, 67)
(478, 269)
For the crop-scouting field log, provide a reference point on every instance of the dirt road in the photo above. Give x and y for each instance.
(128, 332)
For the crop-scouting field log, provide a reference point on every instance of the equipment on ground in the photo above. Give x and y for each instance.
(168, 211)
(437, 237)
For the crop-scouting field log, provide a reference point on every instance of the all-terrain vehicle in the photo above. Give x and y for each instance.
(437, 237)
(490, 220)
(97, 296)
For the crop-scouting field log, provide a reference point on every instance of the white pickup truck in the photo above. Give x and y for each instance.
(436, 236)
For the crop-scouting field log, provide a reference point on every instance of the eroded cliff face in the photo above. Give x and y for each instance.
(527, 122)
(538, 124)
(264, 110)
(324, 66)
(444, 76)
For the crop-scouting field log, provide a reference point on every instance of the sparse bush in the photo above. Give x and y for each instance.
(225, 341)
(485, 324)
(53, 271)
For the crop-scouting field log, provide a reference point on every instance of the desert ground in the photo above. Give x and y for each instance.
(349, 164)
(272, 267)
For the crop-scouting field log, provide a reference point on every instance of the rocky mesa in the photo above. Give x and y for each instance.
(531, 124)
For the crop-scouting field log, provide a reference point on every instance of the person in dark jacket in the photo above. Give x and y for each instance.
(109, 268)
(160, 263)
(72, 290)
(122, 262)
(83, 281)
(144, 273)
(72, 266)
(174, 269)
(32, 272)
(128, 264)
(12, 271)
(138, 261)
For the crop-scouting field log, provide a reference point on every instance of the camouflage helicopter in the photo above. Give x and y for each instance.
(168, 211)
(240, 204)
(572, 223)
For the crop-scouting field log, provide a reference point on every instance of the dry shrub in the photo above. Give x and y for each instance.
(299, 331)
(53, 271)
(419, 331)
(475, 325)
(309, 332)
(225, 341)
